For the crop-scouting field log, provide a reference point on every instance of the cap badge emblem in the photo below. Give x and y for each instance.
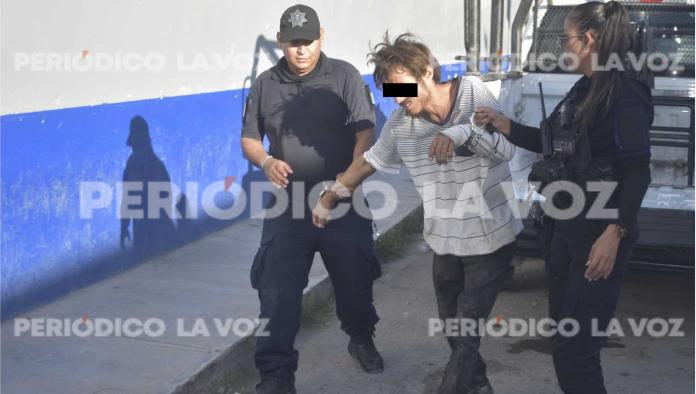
(297, 18)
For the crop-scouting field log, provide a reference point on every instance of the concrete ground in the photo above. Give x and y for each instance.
(414, 361)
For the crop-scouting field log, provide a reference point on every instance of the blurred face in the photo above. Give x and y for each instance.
(579, 46)
(413, 105)
(302, 55)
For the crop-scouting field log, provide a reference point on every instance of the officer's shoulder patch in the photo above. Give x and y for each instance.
(370, 97)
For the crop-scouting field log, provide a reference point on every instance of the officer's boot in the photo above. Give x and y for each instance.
(363, 349)
(484, 388)
(273, 386)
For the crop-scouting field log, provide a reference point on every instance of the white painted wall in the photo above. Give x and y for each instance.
(178, 30)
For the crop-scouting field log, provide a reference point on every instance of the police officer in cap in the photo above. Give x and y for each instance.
(600, 134)
(317, 116)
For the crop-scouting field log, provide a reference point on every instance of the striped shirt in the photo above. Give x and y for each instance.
(469, 205)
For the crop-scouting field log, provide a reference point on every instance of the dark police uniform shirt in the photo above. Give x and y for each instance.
(310, 121)
(624, 131)
(623, 134)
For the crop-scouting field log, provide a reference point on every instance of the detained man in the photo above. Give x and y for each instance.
(462, 175)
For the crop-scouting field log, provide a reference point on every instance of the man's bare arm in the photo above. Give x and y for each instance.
(277, 171)
(357, 172)
(364, 140)
(254, 151)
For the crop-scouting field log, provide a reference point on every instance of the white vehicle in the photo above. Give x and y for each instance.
(666, 32)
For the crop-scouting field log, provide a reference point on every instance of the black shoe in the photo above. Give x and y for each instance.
(363, 349)
(484, 388)
(270, 386)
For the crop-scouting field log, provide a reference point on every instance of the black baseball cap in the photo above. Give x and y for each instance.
(299, 22)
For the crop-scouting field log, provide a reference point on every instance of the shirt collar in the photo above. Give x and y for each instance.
(282, 72)
(579, 90)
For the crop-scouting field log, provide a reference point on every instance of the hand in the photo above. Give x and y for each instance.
(277, 171)
(125, 234)
(320, 213)
(339, 189)
(485, 116)
(441, 149)
(603, 253)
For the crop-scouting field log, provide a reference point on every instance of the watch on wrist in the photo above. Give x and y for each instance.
(325, 188)
(623, 231)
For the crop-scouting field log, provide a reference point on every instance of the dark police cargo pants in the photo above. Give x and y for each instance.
(280, 273)
(466, 288)
(577, 358)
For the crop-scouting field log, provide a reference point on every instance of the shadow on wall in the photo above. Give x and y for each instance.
(140, 234)
(153, 229)
(149, 205)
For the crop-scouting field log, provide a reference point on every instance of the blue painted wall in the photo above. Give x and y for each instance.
(47, 249)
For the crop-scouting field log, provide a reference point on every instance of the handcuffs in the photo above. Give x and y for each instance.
(335, 188)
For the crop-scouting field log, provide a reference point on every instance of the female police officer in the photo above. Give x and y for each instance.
(608, 111)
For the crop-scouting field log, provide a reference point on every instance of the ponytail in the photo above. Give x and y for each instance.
(610, 24)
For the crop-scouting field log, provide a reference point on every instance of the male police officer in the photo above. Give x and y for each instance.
(317, 117)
